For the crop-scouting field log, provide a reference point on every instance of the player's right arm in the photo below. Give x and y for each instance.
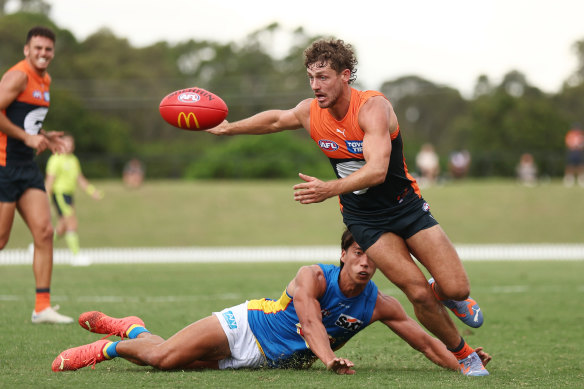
(13, 84)
(308, 285)
(267, 122)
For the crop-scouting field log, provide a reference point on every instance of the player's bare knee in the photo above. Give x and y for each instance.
(420, 296)
(456, 292)
(45, 235)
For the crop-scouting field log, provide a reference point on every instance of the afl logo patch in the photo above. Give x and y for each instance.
(425, 207)
(328, 145)
(189, 97)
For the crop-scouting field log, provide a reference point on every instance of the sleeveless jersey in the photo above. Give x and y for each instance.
(342, 143)
(27, 111)
(66, 169)
(277, 329)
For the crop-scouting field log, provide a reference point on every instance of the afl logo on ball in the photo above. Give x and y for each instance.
(189, 97)
(425, 207)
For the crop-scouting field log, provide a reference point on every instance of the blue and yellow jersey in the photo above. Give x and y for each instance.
(66, 169)
(276, 326)
(342, 142)
(27, 111)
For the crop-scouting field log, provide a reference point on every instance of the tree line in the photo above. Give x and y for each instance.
(106, 93)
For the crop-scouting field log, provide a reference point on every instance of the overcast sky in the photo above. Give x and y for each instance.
(448, 42)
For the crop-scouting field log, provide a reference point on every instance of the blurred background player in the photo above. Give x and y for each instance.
(24, 103)
(575, 156)
(133, 175)
(459, 164)
(428, 165)
(63, 175)
(318, 312)
(527, 170)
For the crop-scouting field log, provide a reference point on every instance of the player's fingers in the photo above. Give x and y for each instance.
(41, 146)
(341, 366)
(306, 177)
(54, 134)
(304, 198)
(485, 358)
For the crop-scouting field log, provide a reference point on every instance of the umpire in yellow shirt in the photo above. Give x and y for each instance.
(63, 175)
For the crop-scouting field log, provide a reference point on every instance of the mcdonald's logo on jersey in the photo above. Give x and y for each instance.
(186, 118)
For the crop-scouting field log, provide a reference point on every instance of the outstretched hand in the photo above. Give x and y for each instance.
(311, 191)
(219, 129)
(340, 366)
(485, 358)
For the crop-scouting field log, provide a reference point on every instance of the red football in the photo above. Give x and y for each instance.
(193, 109)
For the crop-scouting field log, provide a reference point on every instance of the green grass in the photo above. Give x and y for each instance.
(533, 310)
(533, 327)
(250, 213)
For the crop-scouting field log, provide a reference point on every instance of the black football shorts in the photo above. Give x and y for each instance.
(405, 221)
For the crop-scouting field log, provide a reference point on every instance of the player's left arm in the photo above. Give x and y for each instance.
(88, 187)
(308, 285)
(378, 121)
(391, 313)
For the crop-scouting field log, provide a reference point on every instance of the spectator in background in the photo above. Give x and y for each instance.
(428, 164)
(63, 175)
(133, 175)
(575, 156)
(527, 170)
(459, 164)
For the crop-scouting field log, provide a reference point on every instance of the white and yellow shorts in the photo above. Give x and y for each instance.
(245, 352)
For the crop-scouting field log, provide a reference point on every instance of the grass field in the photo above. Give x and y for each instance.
(533, 327)
(225, 213)
(533, 310)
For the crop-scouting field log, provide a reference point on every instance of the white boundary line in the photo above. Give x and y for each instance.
(490, 252)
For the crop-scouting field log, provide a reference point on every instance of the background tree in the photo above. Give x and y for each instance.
(426, 112)
(511, 119)
(106, 92)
